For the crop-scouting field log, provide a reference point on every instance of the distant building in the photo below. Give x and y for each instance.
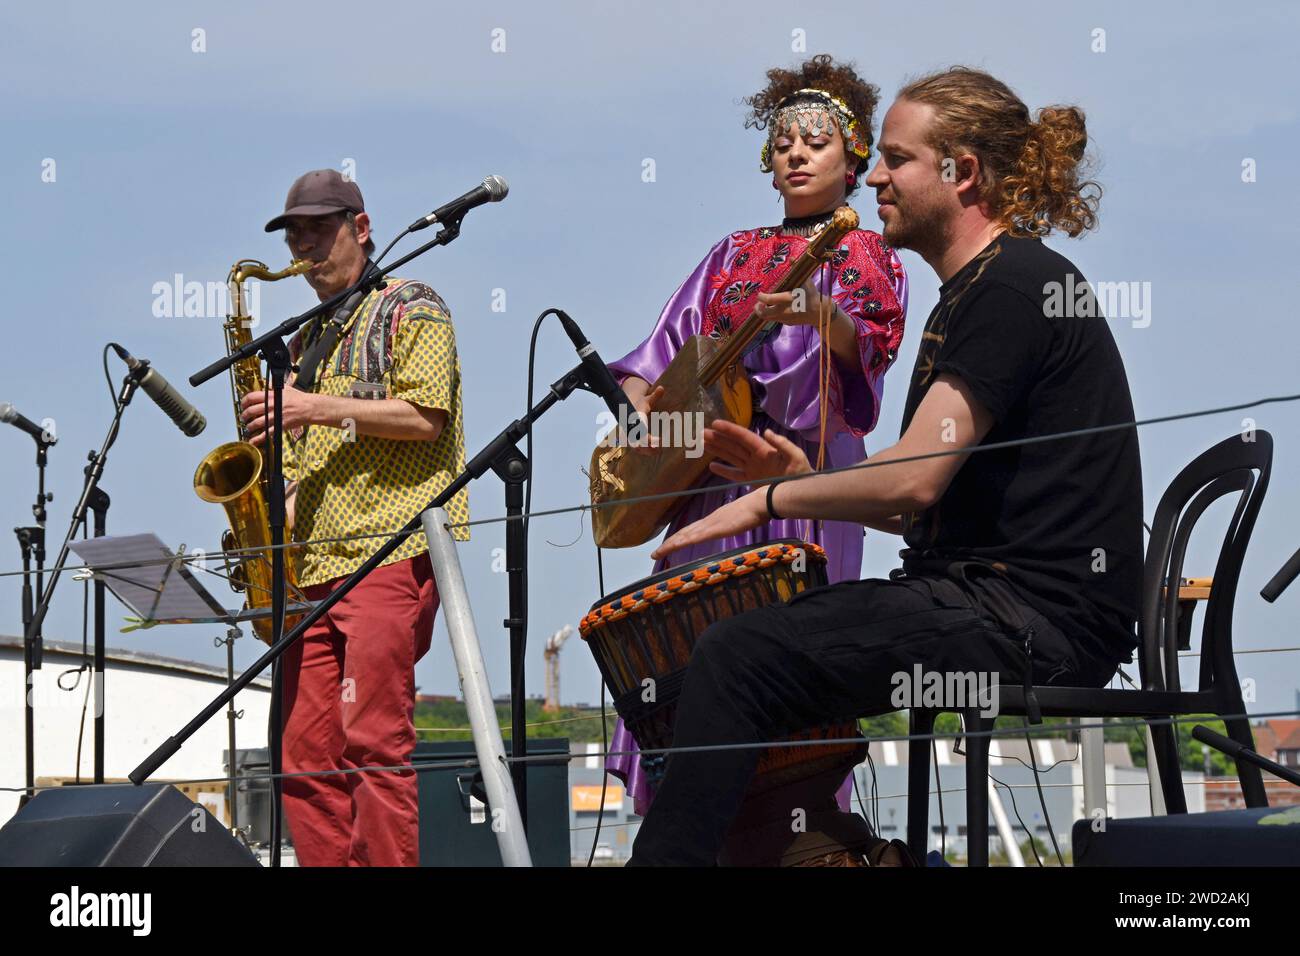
(437, 699)
(1277, 740)
(148, 698)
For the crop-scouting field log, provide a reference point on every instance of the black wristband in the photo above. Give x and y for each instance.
(771, 511)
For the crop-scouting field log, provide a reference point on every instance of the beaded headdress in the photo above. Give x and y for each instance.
(811, 109)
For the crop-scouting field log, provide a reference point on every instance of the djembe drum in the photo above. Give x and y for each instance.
(648, 631)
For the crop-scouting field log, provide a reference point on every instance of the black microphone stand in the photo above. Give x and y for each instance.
(31, 541)
(278, 364)
(500, 455)
(90, 497)
(98, 503)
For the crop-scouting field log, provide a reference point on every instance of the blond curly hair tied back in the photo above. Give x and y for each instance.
(1033, 172)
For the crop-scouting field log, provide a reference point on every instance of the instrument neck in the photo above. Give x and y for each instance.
(733, 347)
(805, 225)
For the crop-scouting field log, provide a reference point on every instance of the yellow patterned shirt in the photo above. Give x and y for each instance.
(399, 344)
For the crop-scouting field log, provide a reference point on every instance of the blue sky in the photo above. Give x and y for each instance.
(169, 161)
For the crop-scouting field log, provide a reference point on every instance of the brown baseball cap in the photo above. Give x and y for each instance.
(319, 193)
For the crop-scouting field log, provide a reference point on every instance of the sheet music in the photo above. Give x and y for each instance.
(165, 591)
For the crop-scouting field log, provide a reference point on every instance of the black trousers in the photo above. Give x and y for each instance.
(827, 654)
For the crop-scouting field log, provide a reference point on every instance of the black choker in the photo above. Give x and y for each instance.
(805, 225)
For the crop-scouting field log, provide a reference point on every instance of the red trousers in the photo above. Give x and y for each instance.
(349, 701)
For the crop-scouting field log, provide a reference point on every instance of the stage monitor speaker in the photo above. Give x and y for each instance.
(1263, 836)
(152, 825)
(455, 825)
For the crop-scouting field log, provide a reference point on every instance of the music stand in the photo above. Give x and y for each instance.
(158, 584)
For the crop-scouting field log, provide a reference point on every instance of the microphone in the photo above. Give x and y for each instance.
(10, 416)
(187, 418)
(492, 189)
(601, 379)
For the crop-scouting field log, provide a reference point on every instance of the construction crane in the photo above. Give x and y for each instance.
(552, 656)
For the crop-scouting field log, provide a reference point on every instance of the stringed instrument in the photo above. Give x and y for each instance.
(704, 379)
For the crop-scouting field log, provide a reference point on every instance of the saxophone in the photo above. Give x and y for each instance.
(233, 475)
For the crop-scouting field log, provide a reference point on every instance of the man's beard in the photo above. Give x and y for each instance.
(923, 231)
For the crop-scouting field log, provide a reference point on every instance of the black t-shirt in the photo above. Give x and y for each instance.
(1063, 518)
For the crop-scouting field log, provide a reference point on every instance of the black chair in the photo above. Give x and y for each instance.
(1234, 465)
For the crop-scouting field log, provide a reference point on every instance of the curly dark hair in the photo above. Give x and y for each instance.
(823, 73)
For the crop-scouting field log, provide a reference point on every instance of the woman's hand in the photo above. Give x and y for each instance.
(735, 517)
(752, 457)
(643, 397)
(780, 306)
(646, 443)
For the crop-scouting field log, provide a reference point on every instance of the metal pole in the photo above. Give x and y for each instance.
(29, 667)
(232, 715)
(1153, 776)
(1014, 856)
(1092, 746)
(514, 471)
(32, 542)
(488, 744)
(277, 366)
(99, 503)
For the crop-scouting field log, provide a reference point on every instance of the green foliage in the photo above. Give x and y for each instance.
(893, 724)
(450, 721)
(1191, 752)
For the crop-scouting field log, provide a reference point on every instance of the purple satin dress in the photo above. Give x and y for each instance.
(867, 281)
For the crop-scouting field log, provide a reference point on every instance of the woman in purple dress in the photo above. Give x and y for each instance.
(818, 120)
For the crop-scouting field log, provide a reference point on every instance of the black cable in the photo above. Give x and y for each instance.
(528, 506)
(528, 501)
(1042, 801)
(528, 455)
(528, 436)
(872, 815)
(866, 814)
(108, 378)
(1070, 759)
(1016, 810)
(938, 783)
(388, 248)
(875, 792)
(604, 728)
(957, 749)
(1028, 766)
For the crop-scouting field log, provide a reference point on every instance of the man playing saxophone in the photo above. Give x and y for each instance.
(373, 432)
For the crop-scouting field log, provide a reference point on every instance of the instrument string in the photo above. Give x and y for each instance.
(824, 317)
